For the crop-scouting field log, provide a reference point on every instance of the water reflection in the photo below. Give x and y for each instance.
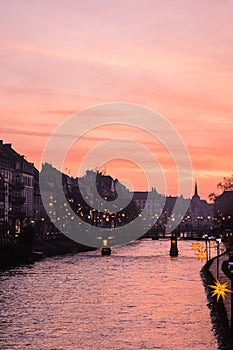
(138, 298)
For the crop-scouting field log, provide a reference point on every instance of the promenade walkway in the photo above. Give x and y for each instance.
(222, 278)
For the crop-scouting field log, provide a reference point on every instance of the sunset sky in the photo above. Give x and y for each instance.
(175, 57)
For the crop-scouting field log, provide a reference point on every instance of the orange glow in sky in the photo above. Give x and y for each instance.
(175, 57)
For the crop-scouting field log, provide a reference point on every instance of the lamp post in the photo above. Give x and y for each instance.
(230, 266)
(210, 243)
(206, 246)
(218, 241)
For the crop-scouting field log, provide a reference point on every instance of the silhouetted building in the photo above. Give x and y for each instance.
(20, 198)
(223, 209)
(6, 170)
(151, 202)
(17, 187)
(22, 183)
(200, 212)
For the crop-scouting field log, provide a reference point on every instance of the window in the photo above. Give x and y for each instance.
(27, 180)
(2, 213)
(28, 194)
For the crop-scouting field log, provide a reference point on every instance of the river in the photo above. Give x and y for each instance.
(138, 298)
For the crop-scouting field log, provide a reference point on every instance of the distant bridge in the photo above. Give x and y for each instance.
(185, 233)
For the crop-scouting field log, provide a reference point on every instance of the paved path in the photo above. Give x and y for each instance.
(222, 278)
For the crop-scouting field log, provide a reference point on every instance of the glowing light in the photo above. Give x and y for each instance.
(194, 247)
(220, 290)
(105, 242)
(202, 255)
(197, 246)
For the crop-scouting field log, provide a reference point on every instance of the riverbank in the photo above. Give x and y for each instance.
(14, 254)
(219, 311)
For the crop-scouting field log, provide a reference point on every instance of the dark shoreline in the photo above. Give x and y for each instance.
(15, 254)
(218, 313)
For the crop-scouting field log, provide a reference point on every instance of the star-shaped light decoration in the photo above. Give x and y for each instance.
(220, 290)
(197, 246)
(202, 255)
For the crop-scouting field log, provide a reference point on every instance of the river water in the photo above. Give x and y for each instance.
(138, 298)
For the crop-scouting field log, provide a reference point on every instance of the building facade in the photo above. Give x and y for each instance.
(16, 188)
(223, 210)
(199, 213)
(6, 171)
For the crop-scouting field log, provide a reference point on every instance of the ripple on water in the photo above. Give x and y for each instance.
(139, 298)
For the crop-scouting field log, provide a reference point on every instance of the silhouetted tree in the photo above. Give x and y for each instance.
(226, 184)
(212, 196)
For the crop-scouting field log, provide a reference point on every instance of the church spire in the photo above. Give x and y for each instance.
(195, 192)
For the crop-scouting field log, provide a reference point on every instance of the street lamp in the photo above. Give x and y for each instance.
(211, 242)
(206, 246)
(230, 266)
(218, 241)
